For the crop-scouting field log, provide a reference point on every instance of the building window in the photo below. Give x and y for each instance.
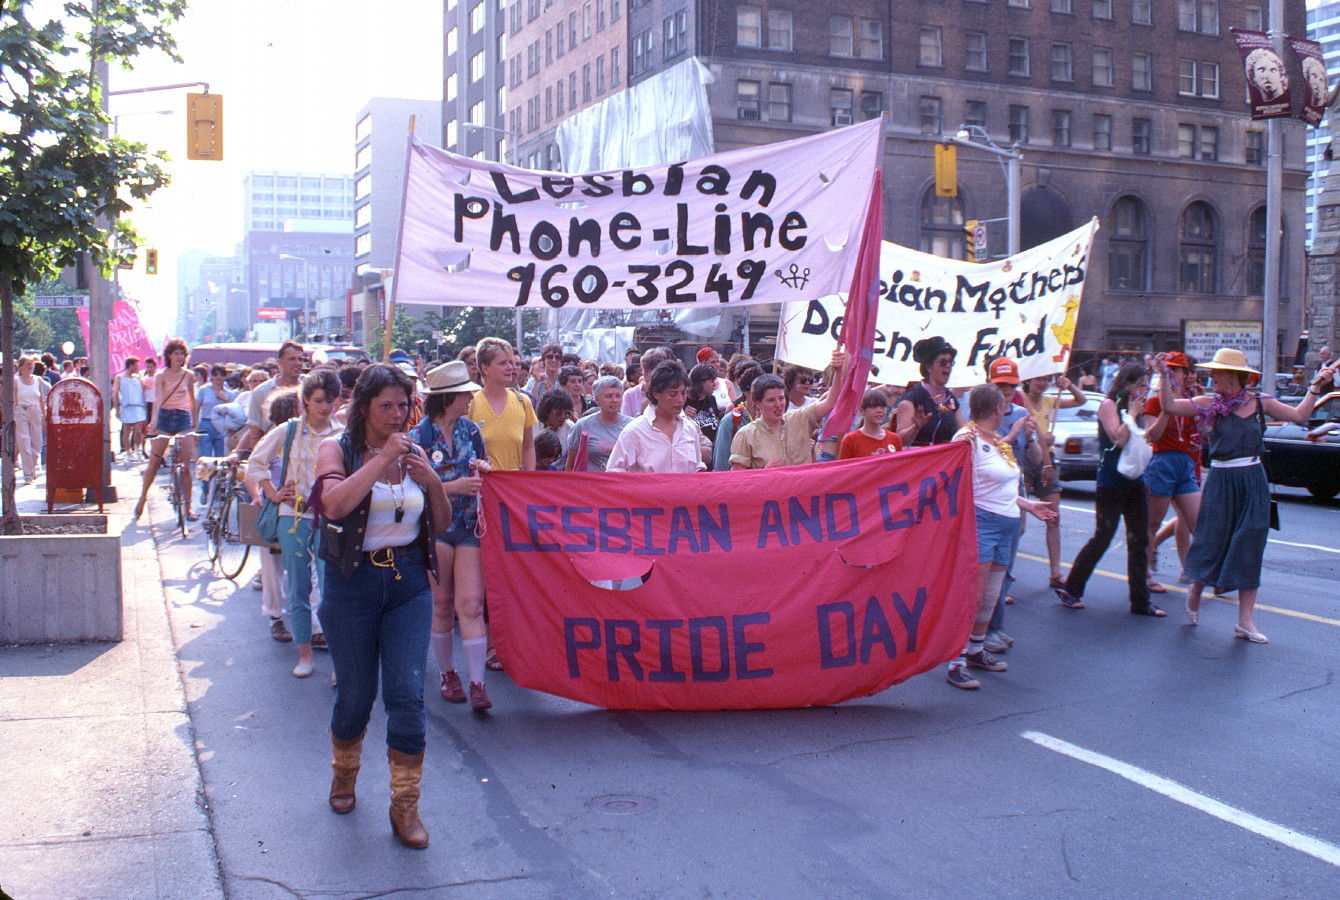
(1061, 6)
(746, 99)
(1256, 252)
(1198, 16)
(942, 226)
(1254, 18)
(452, 41)
(839, 36)
(600, 75)
(477, 67)
(363, 158)
(974, 51)
(1019, 124)
(586, 20)
(871, 44)
(548, 104)
(451, 87)
(840, 106)
(1197, 259)
(1018, 4)
(1209, 80)
(676, 35)
(779, 101)
(641, 53)
(1186, 77)
(1063, 66)
(1102, 67)
(363, 215)
(1102, 132)
(872, 105)
(572, 31)
(586, 83)
(560, 35)
(572, 90)
(1018, 56)
(974, 113)
(1141, 12)
(1186, 141)
(930, 53)
(477, 18)
(600, 14)
(614, 10)
(1142, 136)
(779, 29)
(1207, 144)
(614, 62)
(1102, 9)
(932, 115)
(1142, 72)
(1256, 148)
(1061, 127)
(1126, 259)
(748, 28)
(559, 96)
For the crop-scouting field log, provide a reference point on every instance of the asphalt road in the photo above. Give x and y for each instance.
(1216, 770)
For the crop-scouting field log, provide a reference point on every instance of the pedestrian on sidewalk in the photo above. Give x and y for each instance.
(29, 406)
(380, 504)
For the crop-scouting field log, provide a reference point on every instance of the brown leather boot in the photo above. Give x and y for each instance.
(406, 772)
(345, 763)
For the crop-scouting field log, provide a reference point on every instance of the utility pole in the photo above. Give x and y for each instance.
(100, 305)
(1274, 189)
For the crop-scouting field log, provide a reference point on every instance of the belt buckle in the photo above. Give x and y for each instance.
(387, 561)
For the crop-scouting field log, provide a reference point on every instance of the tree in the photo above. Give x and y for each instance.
(61, 176)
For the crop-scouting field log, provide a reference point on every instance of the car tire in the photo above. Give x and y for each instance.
(1324, 491)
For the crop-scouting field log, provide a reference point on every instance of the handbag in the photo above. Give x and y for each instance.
(1274, 504)
(267, 521)
(1137, 453)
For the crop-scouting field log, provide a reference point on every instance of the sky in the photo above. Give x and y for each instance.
(293, 75)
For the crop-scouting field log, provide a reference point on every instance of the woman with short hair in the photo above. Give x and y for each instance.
(175, 413)
(505, 417)
(997, 506)
(929, 412)
(782, 436)
(1229, 543)
(601, 429)
(381, 504)
(29, 416)
(662, 439)
(703, 404)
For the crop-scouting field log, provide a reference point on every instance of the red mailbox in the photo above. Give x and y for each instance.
(74, 438)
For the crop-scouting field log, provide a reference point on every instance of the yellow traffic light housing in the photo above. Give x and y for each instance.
(970, 245)
(204, 126)
(151, 262)
(946, 170)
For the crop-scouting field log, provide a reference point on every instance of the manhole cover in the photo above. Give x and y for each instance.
(620, 804)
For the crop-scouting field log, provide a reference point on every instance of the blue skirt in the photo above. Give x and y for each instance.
(1230, 539)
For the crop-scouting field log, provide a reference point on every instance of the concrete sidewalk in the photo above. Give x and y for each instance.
(102, 793)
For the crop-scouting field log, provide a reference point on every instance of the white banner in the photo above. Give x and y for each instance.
(1025, 307)
(771, 224)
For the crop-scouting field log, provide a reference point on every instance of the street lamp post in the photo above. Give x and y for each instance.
(1011, 162)
(510, 135)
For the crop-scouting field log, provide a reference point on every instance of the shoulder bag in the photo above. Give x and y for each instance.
(267, 521)
(1137, 453)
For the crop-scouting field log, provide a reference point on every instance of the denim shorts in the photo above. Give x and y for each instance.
(461, 534)
(996, 537)
(173, 421)
(1171, 473)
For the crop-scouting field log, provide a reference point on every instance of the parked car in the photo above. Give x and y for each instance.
(1294, 461)
(1076, 447)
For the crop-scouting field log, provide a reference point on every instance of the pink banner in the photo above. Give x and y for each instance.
(125, 335)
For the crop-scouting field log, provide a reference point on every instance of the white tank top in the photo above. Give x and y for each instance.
(383, 529)
(27, 394)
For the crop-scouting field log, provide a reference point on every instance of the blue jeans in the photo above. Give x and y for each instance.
(297, 545)
(211, 442)
(369, 619)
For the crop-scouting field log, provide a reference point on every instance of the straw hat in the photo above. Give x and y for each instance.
(1229, 360)
(449, 378)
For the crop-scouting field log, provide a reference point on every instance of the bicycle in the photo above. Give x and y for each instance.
(180, 484)
(227, 494)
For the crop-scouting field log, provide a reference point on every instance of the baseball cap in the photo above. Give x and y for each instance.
(705, 354)
(1176, 360)
(1002, 371)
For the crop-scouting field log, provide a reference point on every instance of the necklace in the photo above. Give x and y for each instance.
(1005, 449)
(399, 497)
(943, 397)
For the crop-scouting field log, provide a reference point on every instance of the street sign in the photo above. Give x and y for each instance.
(63, 301)
(979, 243)
(270, 312)
(1202, 337)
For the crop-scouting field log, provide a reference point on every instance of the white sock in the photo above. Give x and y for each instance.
(476, 649)
(441, 642)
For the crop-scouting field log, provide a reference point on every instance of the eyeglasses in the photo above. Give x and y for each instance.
(553, 356)
(805, 381)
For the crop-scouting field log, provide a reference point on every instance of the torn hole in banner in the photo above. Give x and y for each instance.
(570, 204)
(454, 261)
(835, 248)
(664, 248)
(455, 180)
(612, 571)
(874, 550)
(823, 176)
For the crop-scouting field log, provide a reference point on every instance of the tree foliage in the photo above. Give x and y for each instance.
(444, 333)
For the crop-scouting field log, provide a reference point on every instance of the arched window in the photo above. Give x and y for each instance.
(1256, 251)
(942, 225)
(1198, 252)
(1044, 215)
(1128, 257)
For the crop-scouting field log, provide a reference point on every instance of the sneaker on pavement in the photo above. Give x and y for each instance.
(452, 692)
(985, 661)
(279, 631)
(256, 582)
(958, 676)
(479, 698)
(995, 645)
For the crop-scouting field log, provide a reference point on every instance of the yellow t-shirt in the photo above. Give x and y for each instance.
(503, 433)
(1042, 413)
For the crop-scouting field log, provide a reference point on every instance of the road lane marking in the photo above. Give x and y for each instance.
(1303, 843)
(1181, 590)
(1081, 509)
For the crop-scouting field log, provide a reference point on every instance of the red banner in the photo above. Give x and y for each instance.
(125, 335)
(770, 588)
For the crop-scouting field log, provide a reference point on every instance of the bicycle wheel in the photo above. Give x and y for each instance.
(213, 521)
(179, 489)
(232, 552)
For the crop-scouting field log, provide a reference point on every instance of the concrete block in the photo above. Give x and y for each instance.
(60, 587)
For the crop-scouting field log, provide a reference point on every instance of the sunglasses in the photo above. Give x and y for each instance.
(553, 356)
(805, 381)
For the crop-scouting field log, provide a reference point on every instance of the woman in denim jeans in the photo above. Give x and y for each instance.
(380, 504)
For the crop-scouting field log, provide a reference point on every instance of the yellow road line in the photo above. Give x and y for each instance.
(1181, 590)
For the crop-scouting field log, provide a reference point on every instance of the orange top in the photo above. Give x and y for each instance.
(857, 444)
(174, 390)
(1179, 434)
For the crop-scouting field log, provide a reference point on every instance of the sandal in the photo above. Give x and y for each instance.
(1156, 588)
(492, 663)
(1068, 600)
(1148, 609)
(1056, 582)
(1009, 600)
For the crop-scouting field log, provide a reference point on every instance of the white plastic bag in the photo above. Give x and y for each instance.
(1137, 453)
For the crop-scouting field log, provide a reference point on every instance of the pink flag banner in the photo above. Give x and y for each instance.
(858, 327)
(766, 224)
(125, 335)
(1268, 91)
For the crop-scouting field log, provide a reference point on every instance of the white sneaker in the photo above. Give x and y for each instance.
(303, 668)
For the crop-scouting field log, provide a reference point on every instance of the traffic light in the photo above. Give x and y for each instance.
(946, 170)
(970, 229)
(204, 126)
(151, 262)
